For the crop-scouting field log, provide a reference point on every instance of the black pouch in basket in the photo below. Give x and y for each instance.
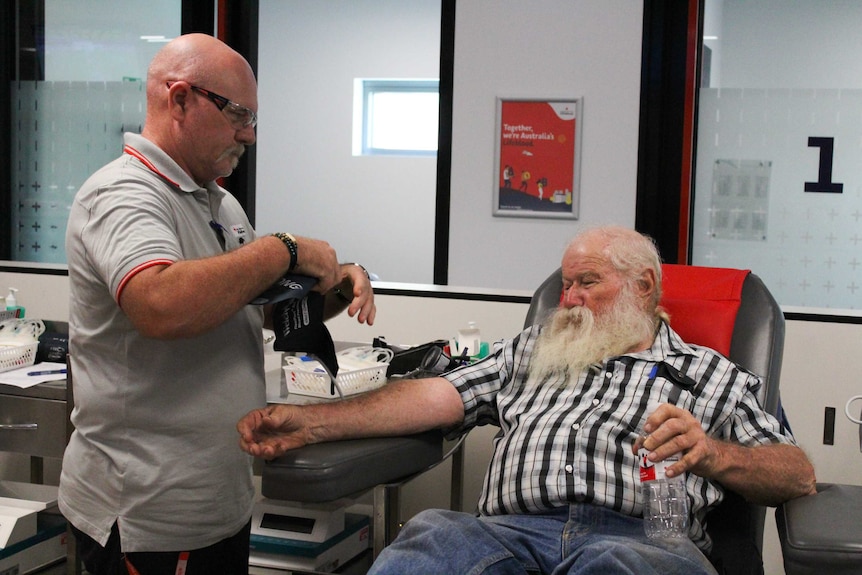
(53, 347)
(298, 325)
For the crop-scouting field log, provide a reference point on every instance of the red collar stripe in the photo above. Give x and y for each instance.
(135, 153)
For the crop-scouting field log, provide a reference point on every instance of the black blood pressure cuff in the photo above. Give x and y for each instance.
(298, 325)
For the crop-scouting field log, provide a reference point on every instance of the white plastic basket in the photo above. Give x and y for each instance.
(19, 342)
(15, 356)
(307, 378)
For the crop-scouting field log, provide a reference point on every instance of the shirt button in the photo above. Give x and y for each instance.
(576, 426)
(596, 402)
(608, 375)
(568, 468)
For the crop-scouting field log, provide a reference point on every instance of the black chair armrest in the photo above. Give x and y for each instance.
(329, 471)
(822, 533)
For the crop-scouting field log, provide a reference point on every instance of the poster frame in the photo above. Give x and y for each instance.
(568, 207)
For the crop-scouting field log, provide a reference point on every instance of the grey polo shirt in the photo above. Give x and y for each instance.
(155, 446)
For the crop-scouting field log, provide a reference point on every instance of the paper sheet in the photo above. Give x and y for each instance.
(31, 375)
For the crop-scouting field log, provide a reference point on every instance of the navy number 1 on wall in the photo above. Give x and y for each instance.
(824, 181)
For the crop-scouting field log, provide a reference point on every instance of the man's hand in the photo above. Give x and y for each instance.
(316, 258)
(671, 430)
(355, 286)
(764, 474)
(401, 407)
(271, 431)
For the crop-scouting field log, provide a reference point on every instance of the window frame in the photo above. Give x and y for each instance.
(369, 88)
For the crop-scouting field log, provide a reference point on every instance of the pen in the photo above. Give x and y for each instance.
(47, 372)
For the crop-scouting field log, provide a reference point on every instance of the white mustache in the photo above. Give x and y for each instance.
(235, 151)
(577, 337)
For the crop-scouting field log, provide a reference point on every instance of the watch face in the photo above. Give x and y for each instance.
(288, 287)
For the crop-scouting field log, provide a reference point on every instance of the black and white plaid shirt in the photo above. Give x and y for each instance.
(563, 441)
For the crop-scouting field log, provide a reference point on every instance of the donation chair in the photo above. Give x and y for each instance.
(326, 472)
(732, 312)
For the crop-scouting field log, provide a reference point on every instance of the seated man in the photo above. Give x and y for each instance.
(562, 491)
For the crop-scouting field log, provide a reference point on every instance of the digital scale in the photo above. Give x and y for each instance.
(287, 535)
(32, 531)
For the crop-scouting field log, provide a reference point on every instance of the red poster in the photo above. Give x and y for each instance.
(538, 148)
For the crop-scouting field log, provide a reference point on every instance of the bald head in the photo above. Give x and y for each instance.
(199, 59)
(195, 85)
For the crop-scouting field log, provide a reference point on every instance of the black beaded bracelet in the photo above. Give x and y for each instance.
(290, 242)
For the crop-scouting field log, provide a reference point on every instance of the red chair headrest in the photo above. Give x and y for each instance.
(702, 303)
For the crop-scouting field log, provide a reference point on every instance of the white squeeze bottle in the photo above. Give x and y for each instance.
(12, 303)
(470, 339)
(665, 501)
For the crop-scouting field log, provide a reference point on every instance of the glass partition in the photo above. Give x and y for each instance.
(68, 120)
(65, 132)
(778, 185)
(378, 209)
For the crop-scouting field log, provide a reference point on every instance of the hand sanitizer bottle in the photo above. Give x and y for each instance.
(12, 303)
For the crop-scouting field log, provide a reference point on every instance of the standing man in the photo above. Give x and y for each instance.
(166, 351)
(561, 494)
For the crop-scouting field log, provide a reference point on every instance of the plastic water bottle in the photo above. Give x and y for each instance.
(665, 502)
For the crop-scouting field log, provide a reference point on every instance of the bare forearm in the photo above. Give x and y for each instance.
(767, 474)
(399, 408)
(191, 297)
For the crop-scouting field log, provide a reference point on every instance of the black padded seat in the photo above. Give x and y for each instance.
(820, 533)
(328, 471)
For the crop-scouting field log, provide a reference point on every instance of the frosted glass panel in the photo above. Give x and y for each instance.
(68, 120)
(778, 181)
(810, 252)
(63, 132)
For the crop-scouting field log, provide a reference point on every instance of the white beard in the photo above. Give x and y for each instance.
(575, 338)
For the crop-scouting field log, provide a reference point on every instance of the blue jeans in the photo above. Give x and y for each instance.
(580, 538)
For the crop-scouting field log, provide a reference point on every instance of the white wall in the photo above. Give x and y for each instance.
(379, 210)
(540, 49)
(376, 210)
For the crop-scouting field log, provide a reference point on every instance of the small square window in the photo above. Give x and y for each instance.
(396, 117)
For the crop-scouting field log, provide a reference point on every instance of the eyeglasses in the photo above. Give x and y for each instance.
(238, 116)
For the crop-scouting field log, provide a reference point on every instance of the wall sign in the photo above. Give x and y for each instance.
(538, 158)
(740, 199)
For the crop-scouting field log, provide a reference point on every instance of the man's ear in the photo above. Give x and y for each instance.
(646, 284)
(177, 98)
